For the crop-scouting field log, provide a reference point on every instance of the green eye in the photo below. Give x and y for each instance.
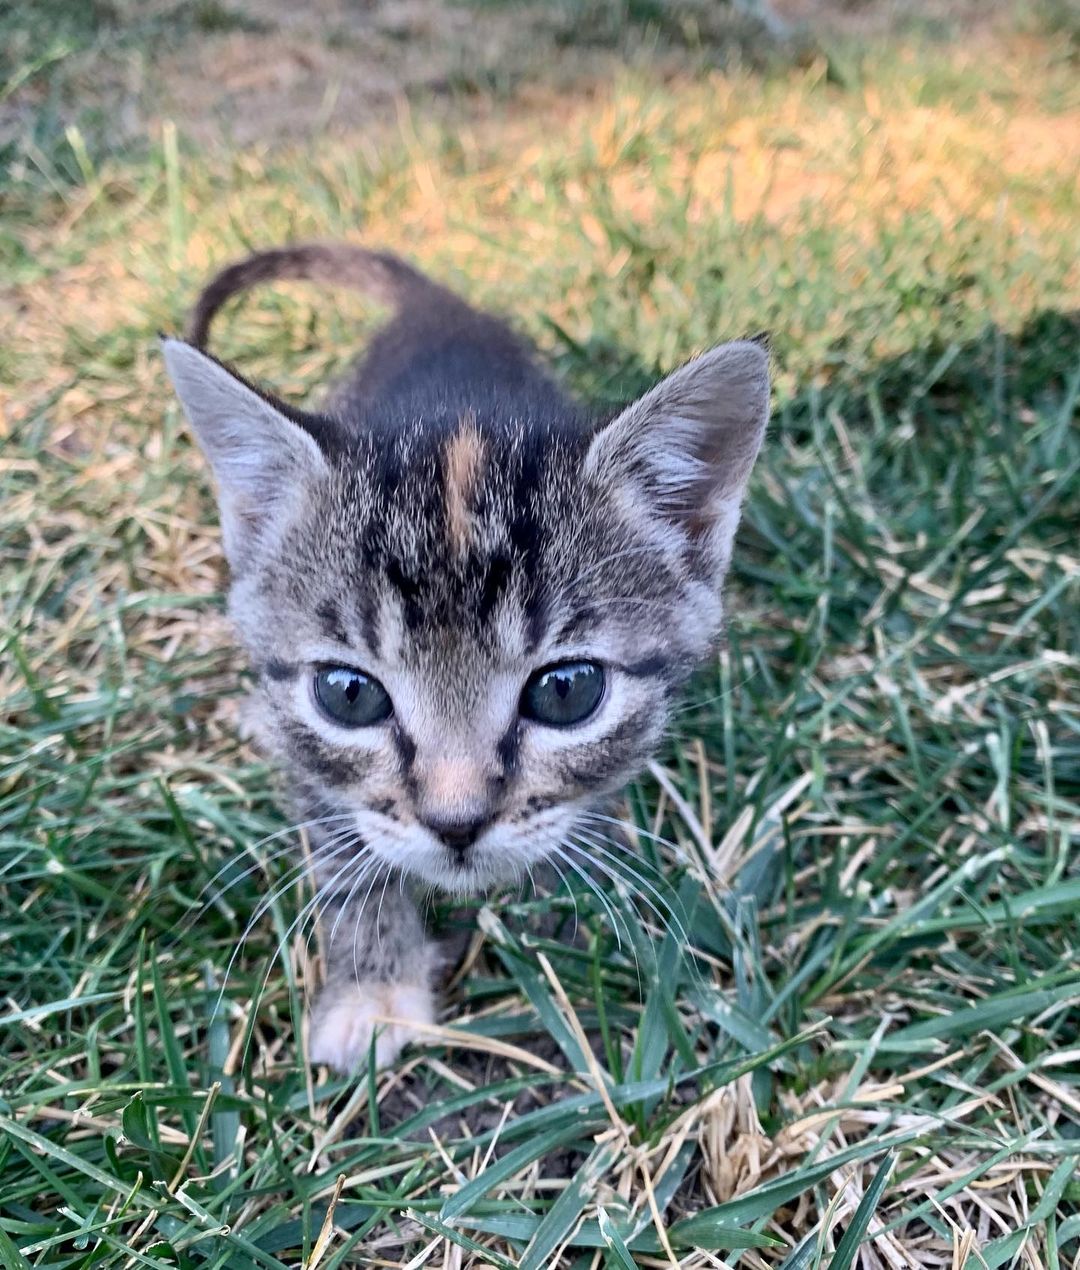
(563, 695)
(350, 697)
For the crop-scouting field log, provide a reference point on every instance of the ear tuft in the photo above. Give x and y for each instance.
(263, 461)
(684, 451)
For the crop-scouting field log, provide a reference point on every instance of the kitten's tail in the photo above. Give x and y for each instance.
(377, 273)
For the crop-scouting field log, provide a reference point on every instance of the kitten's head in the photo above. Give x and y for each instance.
(470, 630)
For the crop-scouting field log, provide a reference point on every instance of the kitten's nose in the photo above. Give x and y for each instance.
(458, 833)
(454, 800)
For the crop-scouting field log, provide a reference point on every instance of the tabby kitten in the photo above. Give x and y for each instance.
(469, 606)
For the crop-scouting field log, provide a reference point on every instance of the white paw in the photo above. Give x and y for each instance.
(347, 1017)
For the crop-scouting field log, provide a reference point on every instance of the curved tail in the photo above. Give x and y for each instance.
(377, 273)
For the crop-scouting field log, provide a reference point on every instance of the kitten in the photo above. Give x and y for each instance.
(470, 607)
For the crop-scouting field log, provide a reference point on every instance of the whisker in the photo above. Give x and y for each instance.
(677, 920)
(360, 912)
(672, 922)
(643, 870)
(604, 901)
(378, 911)
(371, 862)
(332, 849)
(233, 861)
(632, 828)
(651, 878)
(626, 893)
(736, 682)
(367, 864)
(267, 902)
(622, 898)
(625, 887)
(569, 890)
(248, 848)
(700, 703)
(323, 894)
(298, 922)
(294, 870)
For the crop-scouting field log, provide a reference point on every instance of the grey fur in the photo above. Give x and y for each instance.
(450, 522)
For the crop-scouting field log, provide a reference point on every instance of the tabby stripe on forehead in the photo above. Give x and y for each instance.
(580, 620)
(409, 589)
(369, 621)
(331, 623)
(537, 608)
(496, 580)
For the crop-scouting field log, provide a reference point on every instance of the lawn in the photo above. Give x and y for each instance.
(827, 1011)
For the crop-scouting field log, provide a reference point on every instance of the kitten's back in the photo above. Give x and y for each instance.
(435, 361)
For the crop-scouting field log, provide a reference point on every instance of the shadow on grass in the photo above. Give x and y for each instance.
(934, 381)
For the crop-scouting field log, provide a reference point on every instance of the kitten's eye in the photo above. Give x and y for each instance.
(563, 695)
(350, 697)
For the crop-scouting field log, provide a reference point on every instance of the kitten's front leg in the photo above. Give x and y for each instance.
(379, 964)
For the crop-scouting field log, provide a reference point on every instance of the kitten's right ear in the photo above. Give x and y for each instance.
(262, 461)
(684, 451)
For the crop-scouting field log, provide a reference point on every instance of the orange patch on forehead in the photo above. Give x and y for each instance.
(466, 455)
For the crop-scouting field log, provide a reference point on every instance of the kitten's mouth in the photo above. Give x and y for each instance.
(494, 858)
(466, 870)
(474, 863)
(461, 859)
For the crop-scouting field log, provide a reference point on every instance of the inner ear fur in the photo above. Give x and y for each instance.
(264, 456)
(688, 446)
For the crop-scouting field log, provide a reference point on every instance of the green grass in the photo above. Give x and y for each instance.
(865, 817)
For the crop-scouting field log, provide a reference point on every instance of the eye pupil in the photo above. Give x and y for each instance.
(563, 695)
(350, 698)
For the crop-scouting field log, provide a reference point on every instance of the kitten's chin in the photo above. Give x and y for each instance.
(475, 873)
(461, 878)
(496, 859)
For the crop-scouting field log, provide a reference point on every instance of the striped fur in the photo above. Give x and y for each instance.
(449, 522)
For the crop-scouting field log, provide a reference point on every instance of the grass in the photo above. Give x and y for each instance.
(866, 1051)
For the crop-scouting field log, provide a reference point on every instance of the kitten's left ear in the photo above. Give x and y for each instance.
(264, 462)
(684, 451)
